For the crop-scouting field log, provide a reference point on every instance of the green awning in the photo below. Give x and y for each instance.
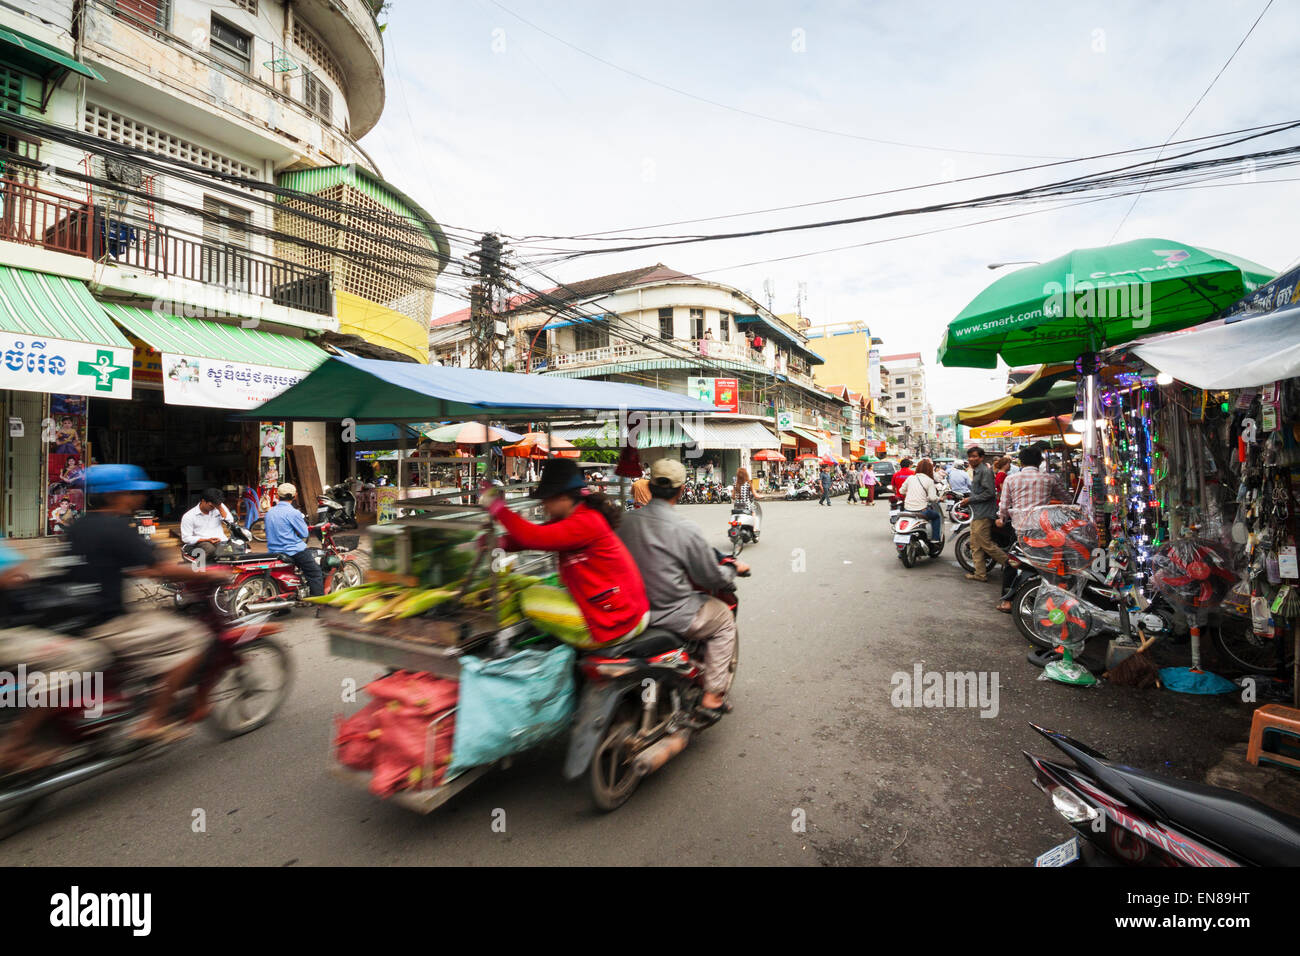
(42, 58)
(55, 307)
(214, 340)
(809, 435)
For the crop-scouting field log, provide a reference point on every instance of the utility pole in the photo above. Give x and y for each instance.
(487, 299)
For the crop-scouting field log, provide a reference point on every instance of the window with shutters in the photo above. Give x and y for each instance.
(141, 13)
(225, 242)
(665, 323)
(231, 45)
(590, 335)
(249, 5)
(11, 90)
(724, 326)
(306, 40)
(697, 323)
(316, 96)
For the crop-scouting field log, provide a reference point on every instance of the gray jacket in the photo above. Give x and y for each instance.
(983, 493)
(673, 556)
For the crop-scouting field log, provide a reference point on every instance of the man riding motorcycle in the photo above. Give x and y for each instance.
(286, 533)
(676, 562)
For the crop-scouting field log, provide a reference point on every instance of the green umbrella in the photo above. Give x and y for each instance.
(1089, 298)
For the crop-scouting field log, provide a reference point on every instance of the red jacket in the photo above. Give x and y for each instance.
(595, 566)
(901, 476)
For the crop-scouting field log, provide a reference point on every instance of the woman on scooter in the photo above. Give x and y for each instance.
(921, 493)
(605, 597)
(742, 499)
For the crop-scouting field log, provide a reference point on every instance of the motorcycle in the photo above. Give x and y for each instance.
(240, 670)
(637, 709)
(912, 539)
(800, 491)
(337, 505)
(743, 527)
(1123, 816)
(267, 581)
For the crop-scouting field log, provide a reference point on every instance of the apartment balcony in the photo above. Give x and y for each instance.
(38, 217)
(617, 352)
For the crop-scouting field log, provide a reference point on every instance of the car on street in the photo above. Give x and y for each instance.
(884, 476)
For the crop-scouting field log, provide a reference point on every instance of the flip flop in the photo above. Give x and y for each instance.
(1004, 610)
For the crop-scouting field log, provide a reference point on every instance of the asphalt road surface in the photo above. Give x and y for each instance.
(816, 766)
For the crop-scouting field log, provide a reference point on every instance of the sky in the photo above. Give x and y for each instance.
(503, 117)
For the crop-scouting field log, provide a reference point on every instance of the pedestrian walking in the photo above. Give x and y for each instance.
(852, 477)
(827, 480)
(869, 483)
(983, 501)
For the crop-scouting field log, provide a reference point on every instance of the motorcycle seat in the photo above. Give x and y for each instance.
(1242, 826)
(654, 640)
(251, 556)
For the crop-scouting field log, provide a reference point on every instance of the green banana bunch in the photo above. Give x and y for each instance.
(421, 601)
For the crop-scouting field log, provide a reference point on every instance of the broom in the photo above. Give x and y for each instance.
(1136, 670)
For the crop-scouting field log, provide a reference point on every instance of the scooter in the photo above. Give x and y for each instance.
(912, 539)
(246, 671)
(268, 581)
(1123, 816)
(638, 708)
(337, 505)
(743, 527)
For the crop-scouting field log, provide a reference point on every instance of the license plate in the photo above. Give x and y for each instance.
(902, 538)
(1063, 855)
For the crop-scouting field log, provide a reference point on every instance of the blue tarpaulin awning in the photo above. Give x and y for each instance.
(371, 390)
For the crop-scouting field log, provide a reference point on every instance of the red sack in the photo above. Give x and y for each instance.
(423, 692)
(355, 738)
(399, 754)
(629, 463)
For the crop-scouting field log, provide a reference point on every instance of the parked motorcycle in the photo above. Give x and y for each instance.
(245, 667)
(1123, 816)
(912, 539)
(267, 581)
(637, 709)
(800, 491)
(337, 505)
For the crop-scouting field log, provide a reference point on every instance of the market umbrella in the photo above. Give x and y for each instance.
(470, 433)
(535, 445)
(1090, 298)
(808, 457)
(1035, 428)
(767, 454)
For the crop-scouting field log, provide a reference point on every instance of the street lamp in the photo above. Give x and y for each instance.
(1018, 262)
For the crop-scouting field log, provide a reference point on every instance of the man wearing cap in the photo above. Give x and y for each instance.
(201, 527)
(286, 531)
(674, 559)
(150, 642)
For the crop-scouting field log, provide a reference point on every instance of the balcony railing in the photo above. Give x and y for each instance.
(37, 217)
(683, 348)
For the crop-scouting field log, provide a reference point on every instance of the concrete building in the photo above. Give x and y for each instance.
(905, 398)
(187, 218)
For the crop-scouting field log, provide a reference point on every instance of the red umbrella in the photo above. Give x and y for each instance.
(807, 457)
(534, 445)
(768, 454)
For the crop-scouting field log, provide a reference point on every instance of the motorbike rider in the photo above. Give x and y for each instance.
(958, 478)
(1025, 490)
(921, 494)
(202, 528)
(676, 562)
(145, 640)
(742, 499)
(286, 531)
(904, 472)
(604, 587)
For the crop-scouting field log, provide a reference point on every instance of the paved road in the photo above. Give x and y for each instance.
(827, 620)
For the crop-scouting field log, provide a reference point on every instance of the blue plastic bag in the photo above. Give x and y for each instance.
(511, 704)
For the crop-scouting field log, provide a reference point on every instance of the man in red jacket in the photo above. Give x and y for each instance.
(595, 567)
(904, 472)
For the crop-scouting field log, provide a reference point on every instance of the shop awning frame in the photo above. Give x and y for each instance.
(215, 340)
(54, 307)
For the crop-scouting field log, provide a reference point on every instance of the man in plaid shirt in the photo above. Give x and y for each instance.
(1027, 488)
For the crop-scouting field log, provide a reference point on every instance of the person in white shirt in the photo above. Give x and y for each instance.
(201, 527)
(921, 493)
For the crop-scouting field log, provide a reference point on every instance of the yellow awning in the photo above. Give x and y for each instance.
(1037, 428)
(381, 325)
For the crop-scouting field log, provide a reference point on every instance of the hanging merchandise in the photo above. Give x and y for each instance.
(1057, 539)
(1063, 619)
(1195, 575)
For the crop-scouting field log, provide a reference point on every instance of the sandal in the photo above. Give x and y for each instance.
(1004, 609)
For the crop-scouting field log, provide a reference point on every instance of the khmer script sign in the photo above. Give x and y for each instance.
(34, 364)
(192, 380)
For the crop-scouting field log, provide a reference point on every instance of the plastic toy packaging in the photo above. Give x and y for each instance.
(1057, 539)
(1194, 573)
(1060, 617)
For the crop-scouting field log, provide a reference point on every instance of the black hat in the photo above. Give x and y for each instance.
(558, 476)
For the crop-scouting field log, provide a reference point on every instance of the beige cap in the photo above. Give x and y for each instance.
(287, 490)
(667, 472)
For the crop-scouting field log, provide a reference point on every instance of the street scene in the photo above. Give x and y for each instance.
(528, 435)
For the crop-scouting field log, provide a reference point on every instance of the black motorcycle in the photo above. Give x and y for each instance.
(337, 505)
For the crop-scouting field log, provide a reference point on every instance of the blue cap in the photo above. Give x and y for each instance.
(105, 479)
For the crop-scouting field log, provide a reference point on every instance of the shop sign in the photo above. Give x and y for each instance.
(190, 380)
(146, 363)
(16, 429)
(784, 420)
(30, 364)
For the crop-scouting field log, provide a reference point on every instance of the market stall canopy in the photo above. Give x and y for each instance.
(375, 391)
(722, 435)
(767, 454)
(1041, 381)
(1058, 400)
(536, 445)
(470, 433)
(1034, 428)
(1254, 351)
(1090, 298)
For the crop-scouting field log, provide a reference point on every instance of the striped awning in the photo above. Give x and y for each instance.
(55, 307)
(215, 340)
(724, 435)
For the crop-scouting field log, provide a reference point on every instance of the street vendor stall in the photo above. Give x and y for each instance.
(478, 673)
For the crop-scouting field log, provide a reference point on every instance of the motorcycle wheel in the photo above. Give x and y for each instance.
(258, 529)
(908, 555)
(1246, 651)
(348, 576)
(611, 778)
(250, 592)
(1022, 609)
(961, 547)
(737, 545)
(251, 693)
